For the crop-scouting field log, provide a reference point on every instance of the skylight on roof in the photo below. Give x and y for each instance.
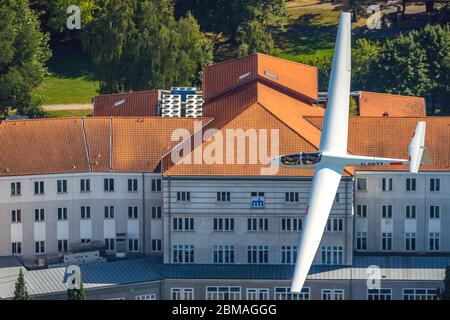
(271, 75)
(119, 103)
(244, 75)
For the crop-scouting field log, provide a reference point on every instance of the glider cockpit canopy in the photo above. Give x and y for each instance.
(301, 159)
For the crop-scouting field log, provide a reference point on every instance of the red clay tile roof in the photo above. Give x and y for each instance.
(134, 104)
(389, 137)
(255, 117)
(373, 104)
(42, 146)
(291, 76)
(46, 146)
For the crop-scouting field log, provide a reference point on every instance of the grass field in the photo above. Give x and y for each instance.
(69, 113)
(311, 32)
(70, 79)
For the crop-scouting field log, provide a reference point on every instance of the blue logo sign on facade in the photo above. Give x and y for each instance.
(257, 203)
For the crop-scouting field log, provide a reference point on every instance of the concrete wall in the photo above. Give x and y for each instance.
(28, 231)
(399, 198)
(204, 207)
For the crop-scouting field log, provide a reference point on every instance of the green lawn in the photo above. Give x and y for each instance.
(69, 113)
(310, 33)
(70, 79)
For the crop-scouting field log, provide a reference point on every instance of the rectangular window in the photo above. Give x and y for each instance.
(39, 187)
(16, 215)
(156, 245)
(16, 189)
(257, 224)
(410, 184)
(435, 184)
(85, 240)
(109, 212)
(156, 185)
(142, 297)
(183, 224)
(288, 254)
(156, 212)
(183, 253)
(62, 245)
(386, 241)
(433, 241)
(332, 294)
(183, 196)
(332, 254)
(435, 212)
(335, 225)
(410, 241)
(361, 184)
(132, 185)
(379, 294)
(223, 224)
(361, 211)
(61, 186)
(223, 196)
(133, 245)
(85, 212)
(39, 214)
(386, 211)
(258, 254)
(223, 293)
(291, 224)
(420, 294)
(291, 197)
(108, 184)
(133, 212)
(39, 247)
(182, 293)
(285, 293)
(110, 244)
(223, 254)
(85, 185)
(16, 248)
(257, 294)
(386, 184)
(361, 241)
(62, 213)
(410, 212)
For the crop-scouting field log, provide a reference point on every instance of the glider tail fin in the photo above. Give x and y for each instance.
(417, 152)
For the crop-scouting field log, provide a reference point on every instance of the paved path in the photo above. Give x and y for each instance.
(70, 106)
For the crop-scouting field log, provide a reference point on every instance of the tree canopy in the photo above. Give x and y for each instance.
(227, 16)
(23, 54)
(138, 45)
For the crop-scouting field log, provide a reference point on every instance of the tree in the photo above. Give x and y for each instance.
(23, 54)
(364, 57)
(323, 64)
(137, 45)
(76, 294)
(445, 293)
(20, 291)
(435, 41)
(402, 67)
(227, 16)
(254, 38)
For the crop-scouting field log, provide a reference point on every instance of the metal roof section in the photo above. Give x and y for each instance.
(97, 275)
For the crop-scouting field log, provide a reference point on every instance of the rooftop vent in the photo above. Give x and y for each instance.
(244, 75)
(271, 75)
(119, 103)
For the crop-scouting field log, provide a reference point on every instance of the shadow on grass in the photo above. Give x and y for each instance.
(305, 36)
(69, 61)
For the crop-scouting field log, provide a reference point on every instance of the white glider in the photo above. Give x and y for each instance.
(332, 157)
